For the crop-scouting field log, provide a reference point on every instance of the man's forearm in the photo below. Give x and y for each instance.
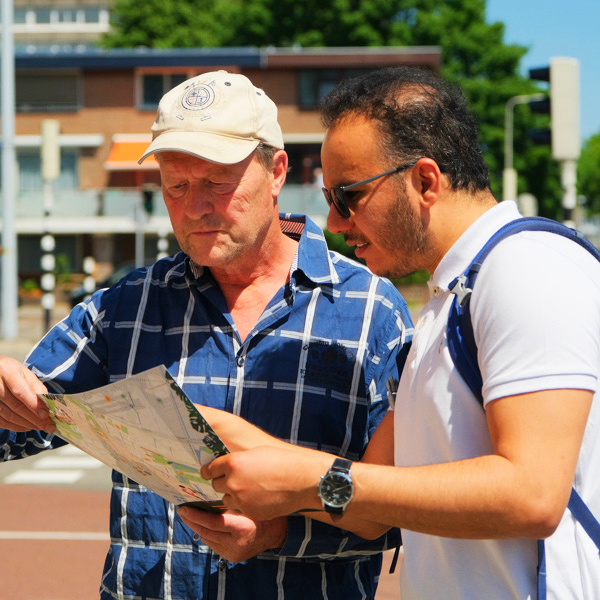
(237, 433)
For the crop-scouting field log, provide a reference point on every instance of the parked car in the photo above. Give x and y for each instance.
(81, 293)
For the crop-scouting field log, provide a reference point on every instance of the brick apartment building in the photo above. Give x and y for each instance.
(105, 103)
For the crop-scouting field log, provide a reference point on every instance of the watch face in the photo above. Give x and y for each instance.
(336, 489)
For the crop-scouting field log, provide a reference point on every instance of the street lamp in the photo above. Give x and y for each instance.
(509, 175)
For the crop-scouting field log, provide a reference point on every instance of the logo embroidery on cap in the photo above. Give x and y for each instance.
(198, 98)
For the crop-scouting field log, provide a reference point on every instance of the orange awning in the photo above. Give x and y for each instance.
(124, 155)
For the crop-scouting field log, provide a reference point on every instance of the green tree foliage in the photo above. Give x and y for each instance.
(165, 24)
(588, 173)
(474, 54)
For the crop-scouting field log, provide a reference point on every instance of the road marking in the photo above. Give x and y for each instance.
(85, 536)
(68, 462)
(71, 450)
(35, 476)
(65, 465)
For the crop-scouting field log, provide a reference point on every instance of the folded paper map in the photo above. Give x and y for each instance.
(146, 428)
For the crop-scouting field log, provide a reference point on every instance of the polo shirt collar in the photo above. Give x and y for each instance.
(464, 250)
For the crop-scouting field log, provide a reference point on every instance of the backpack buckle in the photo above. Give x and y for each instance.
(392, 388)
(460, 290)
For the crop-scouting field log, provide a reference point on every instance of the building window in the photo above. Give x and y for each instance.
(155, 85)
(315, 84)
(30, 170)
(20, 15)
(60, 16)
(47, 92)
(66, 15)
(91, 15)
(30, 253)
(42, 15)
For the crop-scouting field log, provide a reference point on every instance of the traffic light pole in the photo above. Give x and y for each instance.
(568, 174)
(563, 76)
(140, 223)
(509, 175)
(50, 161)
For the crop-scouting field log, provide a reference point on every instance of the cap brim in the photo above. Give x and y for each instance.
(214, 148)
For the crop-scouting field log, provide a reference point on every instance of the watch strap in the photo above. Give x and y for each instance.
(342, 465)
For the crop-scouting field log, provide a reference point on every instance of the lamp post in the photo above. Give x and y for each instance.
(509, 175)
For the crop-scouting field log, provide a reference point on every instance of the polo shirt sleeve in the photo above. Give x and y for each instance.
(536, 319)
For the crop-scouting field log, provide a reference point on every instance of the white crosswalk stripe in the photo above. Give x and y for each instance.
(68, 462)
(63, 466)
(35, 476)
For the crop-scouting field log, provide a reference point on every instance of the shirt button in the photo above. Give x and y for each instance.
(240, 361)
(436, 290)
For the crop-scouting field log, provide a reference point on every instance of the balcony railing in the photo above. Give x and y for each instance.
(114, 202)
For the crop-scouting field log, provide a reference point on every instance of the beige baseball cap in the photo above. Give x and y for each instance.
(220, 117)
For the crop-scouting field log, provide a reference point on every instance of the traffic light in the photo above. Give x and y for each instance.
(148, 199)
(540, 136)
(562, 105)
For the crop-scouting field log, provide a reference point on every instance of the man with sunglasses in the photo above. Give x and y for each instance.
(256, 317)
(473, 490)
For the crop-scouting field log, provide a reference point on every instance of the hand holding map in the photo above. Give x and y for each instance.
(146, 428)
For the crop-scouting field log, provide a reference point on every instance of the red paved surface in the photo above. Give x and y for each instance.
(33, 569)
(389, 584)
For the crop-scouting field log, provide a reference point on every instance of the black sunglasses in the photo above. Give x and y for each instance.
(336, 194)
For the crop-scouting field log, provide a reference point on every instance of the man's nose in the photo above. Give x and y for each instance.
(198, 202)
(336, 223)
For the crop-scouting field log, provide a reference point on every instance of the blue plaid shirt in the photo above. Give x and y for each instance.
(313, 372)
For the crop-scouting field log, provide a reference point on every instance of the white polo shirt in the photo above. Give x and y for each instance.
(536, 317)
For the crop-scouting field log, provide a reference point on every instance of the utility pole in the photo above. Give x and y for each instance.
(50, 159)
(9, 293)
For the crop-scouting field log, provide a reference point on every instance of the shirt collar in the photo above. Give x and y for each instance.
(312, 257)
(463, 251)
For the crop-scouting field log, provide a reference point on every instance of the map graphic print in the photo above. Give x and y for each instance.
(146, 428)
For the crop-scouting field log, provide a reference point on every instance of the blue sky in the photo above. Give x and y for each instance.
(557, 28)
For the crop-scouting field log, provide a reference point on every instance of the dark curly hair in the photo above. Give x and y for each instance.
(419, 114)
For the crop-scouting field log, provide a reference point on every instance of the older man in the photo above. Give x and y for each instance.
(255, 317)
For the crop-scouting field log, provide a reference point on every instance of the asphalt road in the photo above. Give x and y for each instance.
(54, 510)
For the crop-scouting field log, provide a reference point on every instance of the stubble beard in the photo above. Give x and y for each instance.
(405, 237)
(221, 252)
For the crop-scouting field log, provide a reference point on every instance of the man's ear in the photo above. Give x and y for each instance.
(427, 180)
(280, 168)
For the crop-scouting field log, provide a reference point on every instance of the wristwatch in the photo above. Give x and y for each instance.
(336, 488)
